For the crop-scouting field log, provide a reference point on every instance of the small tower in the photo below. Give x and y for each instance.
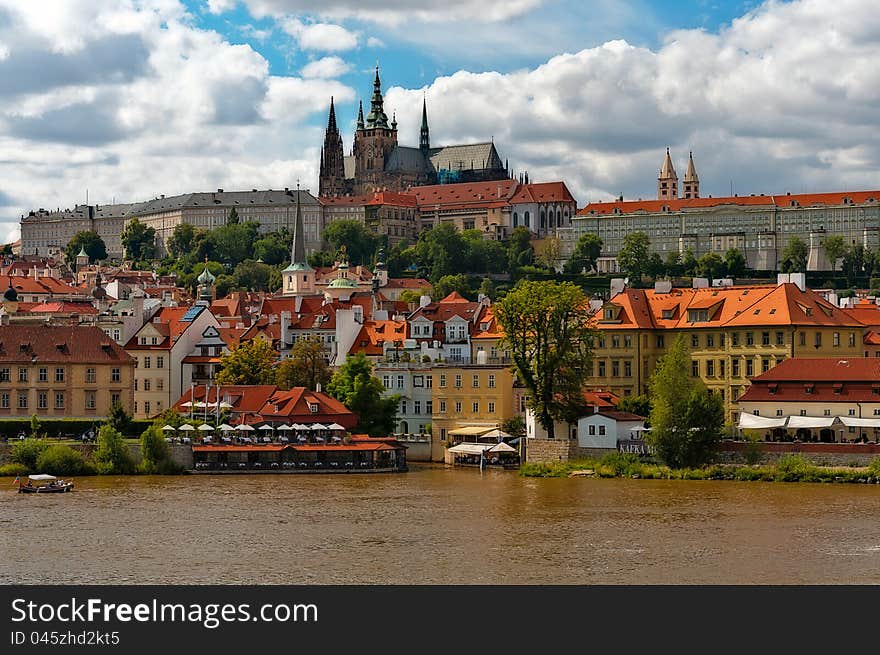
(373, 142)
(331, 179)
(424, 136)
(298, 278)
(82, 259)
(667, 181)
(10, 299)
(380, 275)
(691, 182)
(342, 287)
(206, 285)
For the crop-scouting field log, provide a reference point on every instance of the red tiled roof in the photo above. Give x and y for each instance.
(293, 405)
(243, 398)
(542, 192)
(167, 321)
(374, 334)
(466, 193)
(60, 344)
(44, 285)
(827, 369)
(65, 307)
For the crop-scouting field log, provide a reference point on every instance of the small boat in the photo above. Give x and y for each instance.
(43, 484)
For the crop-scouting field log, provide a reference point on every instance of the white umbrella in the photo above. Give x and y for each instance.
(168, 428)
(318, 426)
(244, 427)
(225, 405)
(225, 428)
(186, 404)
(186, 427)
(204, 427)
(335, 426)
(302, 426)
(266, 427)
(286, 427)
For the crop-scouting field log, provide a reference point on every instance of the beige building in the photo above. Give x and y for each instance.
(62, 372)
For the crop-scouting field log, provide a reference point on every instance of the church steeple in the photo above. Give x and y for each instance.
(377, 117)
(424, 136)
(360, 123)
(298, 248)
(691, 182)
(331, 180)
(667, 181)
(298, 278)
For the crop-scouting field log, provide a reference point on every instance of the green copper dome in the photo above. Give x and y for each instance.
(206, 278)
(342, 283)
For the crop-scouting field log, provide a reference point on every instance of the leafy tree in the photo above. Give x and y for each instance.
(689, 262)
(139, 240)
(794, 257)
(320, 258)
(359, 391)
(271, 249)
(400, 259)
(835, 248)
(232, 219)
(734, 262)
(234, 242)
(360, 243)
(224, 284)
(585, 254)
(550, 253)
(546, 328)
(251, 362)
(112, 456)
(519, 248)
(686, 418)
(441, 250)
(856, 259)
(253, 276)
(656, 267)
(633, 256)
(28, 451)
(305, 367)
(449, 283)
(483, 255)
(155, 455)
(59, 459)
(89, 240)
(711, 265)
(640, 405)
(182, 239)
(118, 418)
(515, 425)
(487, 288)
(673, 263)
(35, 427)
(413, 295)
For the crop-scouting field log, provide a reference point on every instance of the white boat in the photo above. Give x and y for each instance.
(43, 483)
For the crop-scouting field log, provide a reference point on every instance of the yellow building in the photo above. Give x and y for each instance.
(734, 334)
(62, 372)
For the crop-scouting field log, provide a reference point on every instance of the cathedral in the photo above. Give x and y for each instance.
(378, 163)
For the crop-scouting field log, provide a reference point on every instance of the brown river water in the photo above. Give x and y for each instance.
(439, 525)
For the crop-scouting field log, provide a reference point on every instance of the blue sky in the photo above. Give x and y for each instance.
(134, 99)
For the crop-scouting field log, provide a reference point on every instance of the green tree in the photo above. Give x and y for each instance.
(449, 283)
(689, 262)
(519, 248)
(585, 254)
(835, 248)
(251, 362)
(441, 250)
(112, 456)
(686, 418)
(139, 240)
(253, 276)
(483, 255)
(546, 327)
(360, 243)
(711, 266)
(271, 249)
(26, 452)
(515, 426)
(305, 367)
(155, 454)
(224, 284)
(232, 218)
(633, 256)
(487, 288)
(91, 242)
(234, 242)
(734, 262)
(118, 418)
(400, 259)
(640, 405)
(794, 256)
(673, 263)
(856, 260)
(35, 427)
(320, 258)
(359, 391)
(182, 239)
(59, 459)
(656, 266)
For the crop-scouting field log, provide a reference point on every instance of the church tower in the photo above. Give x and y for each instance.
(667, 181)
(331, 181)
(424, 136)
(373, 142)
(691, 182)
(298, 279)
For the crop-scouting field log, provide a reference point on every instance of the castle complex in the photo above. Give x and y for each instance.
(378, 163)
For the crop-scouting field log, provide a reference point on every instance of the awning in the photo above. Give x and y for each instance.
(752, 422)
(811, 421)
(41, 477)
(501, 447)
(852, 421)
(470, 448)
(471, 430)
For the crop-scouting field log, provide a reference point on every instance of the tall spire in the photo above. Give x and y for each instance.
(331, 120)
(377, 117)
(424, 136)
(691, 180)
(298, 248)
(360, 123)
(667, 181)
(331, 179)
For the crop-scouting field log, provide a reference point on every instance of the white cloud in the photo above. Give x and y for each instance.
(320, 36)
(326, 67)
(374, 42)
(221, 6)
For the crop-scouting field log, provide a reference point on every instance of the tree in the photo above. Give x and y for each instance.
(734, 262)
(835, 248)
(320, 258)
(449, 283)
(251, 362)
(633, 256)
(487, 288)
(689, 262)
(856, 259)
(112, 456)
(546, 327)
(139, 240)
(35, 427)
(711, 265)
(87, 240)
(794, 257)
(686, 418)
(673, 263)
(232, 219)
(305, 367)
(234, 242)
(118, 418)
(360, 243)
(182, 239)
(155, 457)
(359, 391)
(271, 249)
(585, 254)
(253, 276)
(441, 250)
(483, 255)
(519, 248)
(515, 425)
(550, 253)
(656, 267)
(640, 405)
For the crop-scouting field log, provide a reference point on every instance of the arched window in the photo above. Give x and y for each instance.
(558, 218)
(527, 224)
(543, 220)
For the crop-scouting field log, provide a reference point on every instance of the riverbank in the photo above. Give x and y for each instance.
(789, 468)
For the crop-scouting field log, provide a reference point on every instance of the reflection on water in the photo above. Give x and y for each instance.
(438, 525)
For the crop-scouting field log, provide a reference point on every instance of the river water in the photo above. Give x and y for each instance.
(438, 525)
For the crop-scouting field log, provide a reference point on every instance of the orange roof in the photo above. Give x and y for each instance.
(465, 194)
(394, 199)
(486, 326)
(43, 285)
(167, 321)
(683, 204)
(61, 344)
(542, 192)
(374, 334)
(865, 312)
(872, 338)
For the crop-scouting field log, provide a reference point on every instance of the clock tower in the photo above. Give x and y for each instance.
(373, 141)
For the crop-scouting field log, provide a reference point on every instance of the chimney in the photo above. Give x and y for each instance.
(617, 285)
(285, 328)
(700, 283)
(662, 286)
(782, 278)
(318, 387)
(799, 280)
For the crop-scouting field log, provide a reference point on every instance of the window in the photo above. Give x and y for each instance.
(660, 341)
(778, 412)
(418, 380)
(756, 412)
(627, 369)
(458, 380)
(710, 367)
(615, 341)
(43, 400)
(135, 384)
(91, 375)
(313, 408)
(852, 339)
(780, 338)
(615, 368)
(458, 407)
(592, 430)
(44, 375)
(765, 338)
(476, 381)
(750, 368)
(601, 365)
(114, 398)
(491, 380)
(695, 341)
(160, 384)
(59, 401)
(476, 408)
(835, 339)
(734, 338)
(429, 407)
(442, 406)
(765, 364)
(750, 338)
(400, 382)
(417, 407)
(22, 401)
(147, 407)
(601, 430)
(852, 412)
(160, 361)
(827, 412)
(710, 341)
(146, 362)
(443, 380)
(403, 407)
(802, 338)
(721, 367)
(4, 401)
(90, 400)
(627, 341)
(817, 341)
(695, 368)
(491, 408)
(877, 412)
(429, 381)
(146, 384)
(4, 375)
(803, 412)
(386, 381)
(22, 375)
(154, 340)
(59, 375)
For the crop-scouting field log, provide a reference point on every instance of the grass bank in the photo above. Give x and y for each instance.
(790, 468)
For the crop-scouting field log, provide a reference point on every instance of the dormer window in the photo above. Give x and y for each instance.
(608, 314)
(808, 388)
(668, 313)
(313, 408)
(698, 315)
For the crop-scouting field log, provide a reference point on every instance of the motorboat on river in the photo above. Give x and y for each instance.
(43, 483)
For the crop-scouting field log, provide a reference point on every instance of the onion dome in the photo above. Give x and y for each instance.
(206, 278)
(10, 295)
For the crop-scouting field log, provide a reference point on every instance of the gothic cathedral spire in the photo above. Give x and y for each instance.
(360, 123)
(331, 180)
(667, 181)
(691, 182)
(424, 137)
(377, 117)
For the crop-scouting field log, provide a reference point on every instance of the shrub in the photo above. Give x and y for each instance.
(752, 451)
(621, 464)
(112, 456)
(154, 450)
(792, 468)
(27, 452)
(13, 468)
(874, 467)
(63, 460)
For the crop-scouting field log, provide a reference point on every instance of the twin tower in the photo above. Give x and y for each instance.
(667, 181)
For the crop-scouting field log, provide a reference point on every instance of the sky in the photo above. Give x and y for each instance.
(121, 101)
